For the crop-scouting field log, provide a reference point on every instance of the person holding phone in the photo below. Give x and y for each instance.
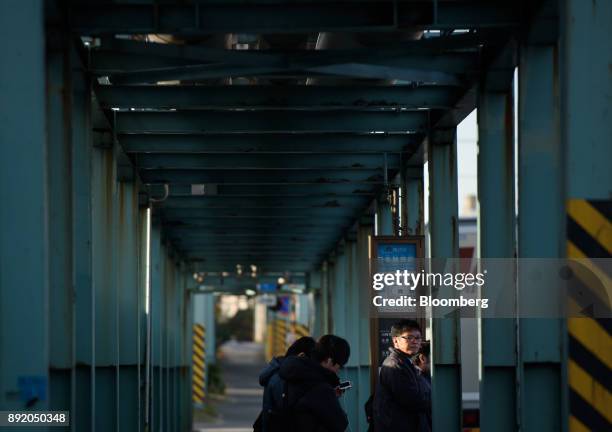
(313, 387)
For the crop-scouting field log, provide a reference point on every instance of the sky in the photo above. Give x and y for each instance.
(467, 137)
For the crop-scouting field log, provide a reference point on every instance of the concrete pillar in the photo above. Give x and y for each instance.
(443, 221)
(24, 282)
(497, 224)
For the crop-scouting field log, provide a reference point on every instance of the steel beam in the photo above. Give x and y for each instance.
(540, 198)
(255, 177)
(223, 226)
(269, 121)
(283, 17)
(443, 223)
(259, 162)
(211, 264)
(276, 97)
(331, 212)
(287, 202)
(445, 70)
(24, 278)
(497, 225)
(266, 191)
(456, 53)
(268, 143)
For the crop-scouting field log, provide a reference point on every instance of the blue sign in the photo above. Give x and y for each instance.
(32, 388)
(267, 287)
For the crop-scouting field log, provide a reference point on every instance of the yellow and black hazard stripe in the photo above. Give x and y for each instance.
(199, 364)
(589, 235)
(280, 337)
(300, 330)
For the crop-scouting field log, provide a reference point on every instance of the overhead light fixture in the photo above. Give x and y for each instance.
(281, 281)
(250, 292)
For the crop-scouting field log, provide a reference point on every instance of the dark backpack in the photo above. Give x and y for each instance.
(279, 419)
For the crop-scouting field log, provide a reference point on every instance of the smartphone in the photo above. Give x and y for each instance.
(345, 385)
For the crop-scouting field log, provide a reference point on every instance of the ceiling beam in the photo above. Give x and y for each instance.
(95, 18)
(218, 202)
(278, 121)
(270, 96)
(319, 190)
(253, 224)
(272, 213)
(268, 143)
(253, 177)
(260, 162)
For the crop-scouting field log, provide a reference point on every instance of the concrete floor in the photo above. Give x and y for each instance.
(242, 402)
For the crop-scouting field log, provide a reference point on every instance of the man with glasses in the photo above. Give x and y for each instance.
(402, 399)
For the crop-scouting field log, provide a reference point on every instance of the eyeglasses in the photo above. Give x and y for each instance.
(411, 338)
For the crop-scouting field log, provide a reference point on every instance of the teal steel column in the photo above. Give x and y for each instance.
(325, 298)
(24, 283)
(339, 291)
(384, 217)
(443, 222)
(156, 325)
(209, 323)
(104, 258)
(82, 417)
(413, 201)
(187, 326)
(130, 308)
(586, 56)
(60, 218)
(315, 287)
(497, 224)
(541, 232)
(361, 317)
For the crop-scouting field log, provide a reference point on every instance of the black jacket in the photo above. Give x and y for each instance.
(402, 399)
(312, 396)
(273, 393)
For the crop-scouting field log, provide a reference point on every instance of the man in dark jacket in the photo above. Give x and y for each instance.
(312, 387)
(402, 399)
(273, 385)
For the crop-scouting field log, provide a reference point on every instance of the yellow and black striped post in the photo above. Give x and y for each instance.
(199, 364)
(300, 330)
(589, 235)
(280, 337)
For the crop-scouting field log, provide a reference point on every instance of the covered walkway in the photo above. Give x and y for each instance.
(155, 153)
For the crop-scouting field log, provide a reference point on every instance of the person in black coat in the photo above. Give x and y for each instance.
(273, 385)
(312, 387)
(403, 399)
